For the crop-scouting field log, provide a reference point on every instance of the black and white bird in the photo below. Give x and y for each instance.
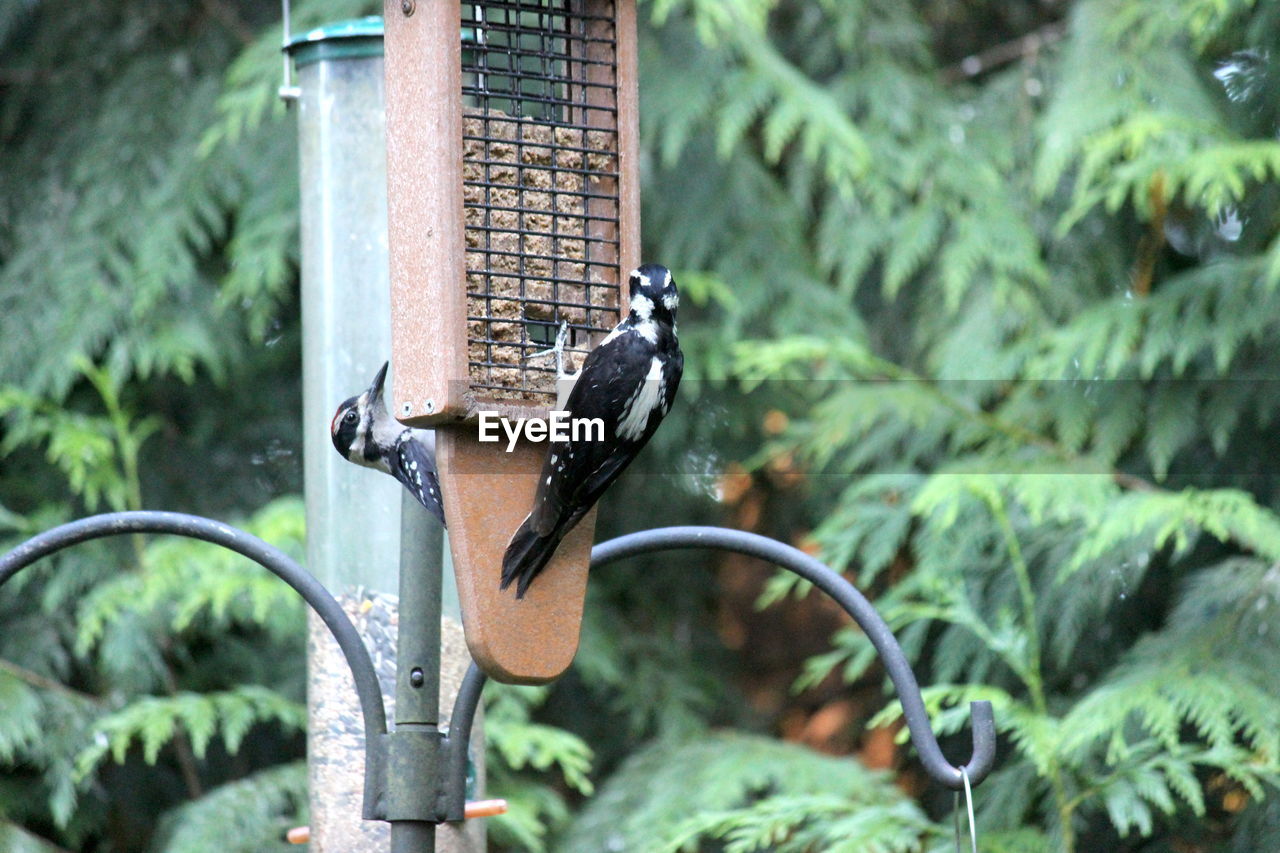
(629, 382)
(365, 433)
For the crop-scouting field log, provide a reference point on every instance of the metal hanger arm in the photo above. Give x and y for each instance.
(265, 555)
(856, 605)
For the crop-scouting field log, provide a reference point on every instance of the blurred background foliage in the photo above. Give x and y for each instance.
(981, 307)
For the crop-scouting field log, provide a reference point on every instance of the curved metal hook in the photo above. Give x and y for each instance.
(465, 705)
(856, 605)
(267, 556)
(468, 698)
(820, 575)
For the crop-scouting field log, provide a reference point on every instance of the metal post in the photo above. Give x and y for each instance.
(418, 667)
(352, 515)
(409, 836)
(421, 582)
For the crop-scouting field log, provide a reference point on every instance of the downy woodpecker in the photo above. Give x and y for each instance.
(629, 382)
(366, 434)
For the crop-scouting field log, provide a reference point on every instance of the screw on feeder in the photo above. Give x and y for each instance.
(417, 677)
(407, 6)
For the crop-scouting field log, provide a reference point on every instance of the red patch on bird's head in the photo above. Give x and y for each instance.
(333, 424)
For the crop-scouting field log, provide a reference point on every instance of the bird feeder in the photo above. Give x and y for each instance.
(513, 207)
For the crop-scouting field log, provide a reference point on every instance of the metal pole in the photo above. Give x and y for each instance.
(246, 544)
(413, 836)
(421, 582)
(418, 659)
(418, 754)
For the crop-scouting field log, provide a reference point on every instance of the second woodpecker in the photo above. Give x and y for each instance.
(364, 432)
(629, 382)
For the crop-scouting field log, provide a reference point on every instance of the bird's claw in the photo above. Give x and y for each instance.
(562, 340)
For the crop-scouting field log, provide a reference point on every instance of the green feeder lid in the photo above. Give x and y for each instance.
(353, 39)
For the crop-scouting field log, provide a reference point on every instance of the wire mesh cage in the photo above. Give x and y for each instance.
(540, 178)
(513, 207)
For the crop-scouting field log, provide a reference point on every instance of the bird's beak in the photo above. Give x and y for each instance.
(375, 390)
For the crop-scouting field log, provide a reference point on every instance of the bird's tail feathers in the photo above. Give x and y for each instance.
(526, 556)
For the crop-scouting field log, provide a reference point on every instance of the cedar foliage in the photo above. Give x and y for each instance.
(152, 688)
(1021, 315)
(1024, 331)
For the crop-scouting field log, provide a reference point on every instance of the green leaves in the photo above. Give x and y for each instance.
(184, 595)
(714, 20)
(1195, 697)
(1133, 115)
(516, 746)
(761, 88)
(805, 822)
(98, 454)
(152, 723)
(17, 840)
(747, 793)
(539, 747)
(137, 273)
(1163, 519)
(1200, 20)
(19, 716)
(185, 584)
(1042, 302)
(249, 815)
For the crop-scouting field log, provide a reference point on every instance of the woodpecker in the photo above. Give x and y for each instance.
(365, 433)
(629, 382)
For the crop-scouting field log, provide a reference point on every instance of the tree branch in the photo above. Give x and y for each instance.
(41, 682)
(229, 18)
(1005, 52)
(187, 764)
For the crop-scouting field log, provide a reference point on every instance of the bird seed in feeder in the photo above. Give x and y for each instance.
(541, 245)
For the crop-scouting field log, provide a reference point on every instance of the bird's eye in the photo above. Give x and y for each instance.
(350, 417)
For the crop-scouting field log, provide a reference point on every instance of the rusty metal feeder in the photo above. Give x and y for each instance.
(513, 206)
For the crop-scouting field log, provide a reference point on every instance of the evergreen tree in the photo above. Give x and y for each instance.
(1014, 269)
(147, 275)
(991, 286)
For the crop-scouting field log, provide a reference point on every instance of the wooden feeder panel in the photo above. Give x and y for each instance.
(513, 195)
(513, 205)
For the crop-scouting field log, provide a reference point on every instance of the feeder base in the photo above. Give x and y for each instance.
(487, 494)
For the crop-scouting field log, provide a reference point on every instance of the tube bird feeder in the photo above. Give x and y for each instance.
(513, 207)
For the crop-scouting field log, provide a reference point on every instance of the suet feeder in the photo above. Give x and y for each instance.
(513, 207)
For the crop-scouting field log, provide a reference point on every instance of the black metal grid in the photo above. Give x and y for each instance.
(540, 178)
